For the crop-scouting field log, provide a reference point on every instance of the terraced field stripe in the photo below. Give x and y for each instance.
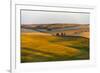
(48, 53)
(27, 52)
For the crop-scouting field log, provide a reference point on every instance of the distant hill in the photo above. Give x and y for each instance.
(53, 26)
(67, 29)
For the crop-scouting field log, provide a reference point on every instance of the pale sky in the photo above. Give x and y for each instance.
(41, 17)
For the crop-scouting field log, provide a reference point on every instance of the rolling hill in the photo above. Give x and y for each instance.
(39, 43)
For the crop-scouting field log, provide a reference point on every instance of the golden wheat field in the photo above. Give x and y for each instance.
(42, 47)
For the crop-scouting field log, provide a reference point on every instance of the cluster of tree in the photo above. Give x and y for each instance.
(61, 34)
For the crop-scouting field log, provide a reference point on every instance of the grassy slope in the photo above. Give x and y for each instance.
(37, 48)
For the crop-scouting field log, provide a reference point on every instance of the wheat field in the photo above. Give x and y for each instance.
(43, 47)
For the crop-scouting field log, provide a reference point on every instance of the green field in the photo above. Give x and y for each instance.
(43, 48)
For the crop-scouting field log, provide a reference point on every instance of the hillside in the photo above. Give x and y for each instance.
(37, 48)
(67, 29)
(54, 42)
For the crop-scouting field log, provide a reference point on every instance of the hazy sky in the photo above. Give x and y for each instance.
(41, 17)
